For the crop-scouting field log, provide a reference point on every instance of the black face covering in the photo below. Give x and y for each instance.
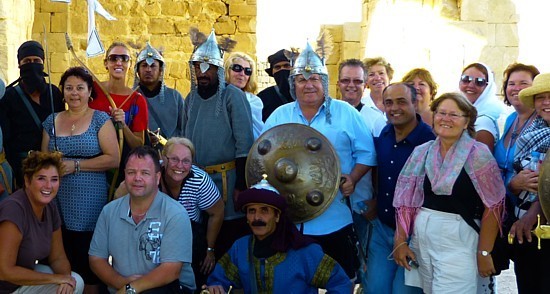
(32, 75)
(281, 78)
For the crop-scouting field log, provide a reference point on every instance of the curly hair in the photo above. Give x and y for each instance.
(370, 62)
(38, 160)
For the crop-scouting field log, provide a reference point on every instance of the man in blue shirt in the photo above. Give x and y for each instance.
(350, 137)
(405, 131)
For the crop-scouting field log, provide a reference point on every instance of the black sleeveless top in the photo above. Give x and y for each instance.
(464, 199)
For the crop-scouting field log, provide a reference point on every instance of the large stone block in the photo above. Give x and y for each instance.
(225, 25)
(246, 43)
(336, 31)
(478, 29)
(334, 57)
(40, 19)
(242, 10)
(216, 9)
(57, 43)
(474, 10)
(48, 6)
(351, 32)
(506, 35)
(60, 62)
(246, 24)
(172, 7)
(59, 22)
(503, 11)
(78, 24)
(152, 8)
(195, 8)
(139, 26)
(350, 50)
(162, 25)
(117, 27)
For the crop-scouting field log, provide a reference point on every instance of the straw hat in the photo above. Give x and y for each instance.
(541, 84)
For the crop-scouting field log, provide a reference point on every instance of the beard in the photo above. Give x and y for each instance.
(207, 90)
(32, 75)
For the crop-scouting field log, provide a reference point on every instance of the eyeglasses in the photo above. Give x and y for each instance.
(356, 82)
(451, 115)
(479, 82)
(175, 161)
(239, 68)
(118, 57)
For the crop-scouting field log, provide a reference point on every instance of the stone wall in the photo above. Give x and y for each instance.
(16, 18)
(164, 23)
(441, 35)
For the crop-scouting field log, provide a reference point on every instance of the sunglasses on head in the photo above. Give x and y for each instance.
(480, 82)
(118, 57)
(239, 68)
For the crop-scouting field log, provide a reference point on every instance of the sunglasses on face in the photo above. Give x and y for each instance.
(118, 57)
(239, 68)
(347, 81)
(480, 82)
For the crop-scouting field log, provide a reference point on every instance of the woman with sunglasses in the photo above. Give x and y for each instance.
(195, 190)
(130, 113)
(477, 83)
(240, 72)
(426, 88)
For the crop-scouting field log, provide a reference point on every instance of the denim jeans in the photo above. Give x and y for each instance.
(362, 228)
(383, 275)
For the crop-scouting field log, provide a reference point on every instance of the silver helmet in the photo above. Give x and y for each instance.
(207, 53)
(308, 63)
(149, 54)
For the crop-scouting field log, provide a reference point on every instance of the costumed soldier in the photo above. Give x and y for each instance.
(217, 120)
(343, 126)
(275, 96)
(165, 104)
(25, 105)
(295, 262)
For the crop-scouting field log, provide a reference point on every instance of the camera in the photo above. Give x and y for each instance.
(412, 263)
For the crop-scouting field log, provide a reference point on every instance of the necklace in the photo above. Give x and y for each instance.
(80, 115)
(515, 132)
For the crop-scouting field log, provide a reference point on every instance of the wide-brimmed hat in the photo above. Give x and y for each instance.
(541, 84)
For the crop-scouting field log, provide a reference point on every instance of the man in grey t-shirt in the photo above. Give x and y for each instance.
(147, 233)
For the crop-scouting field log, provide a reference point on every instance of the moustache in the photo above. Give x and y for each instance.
(258, 223)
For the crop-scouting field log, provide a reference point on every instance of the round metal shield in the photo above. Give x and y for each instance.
(544, 186)
(301, 164)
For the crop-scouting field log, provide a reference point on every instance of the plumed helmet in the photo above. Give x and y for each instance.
(308, 63)
(209, 52)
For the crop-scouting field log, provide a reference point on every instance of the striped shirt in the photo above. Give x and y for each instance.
(198, 193)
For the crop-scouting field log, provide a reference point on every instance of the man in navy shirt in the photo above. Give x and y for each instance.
(405, 131)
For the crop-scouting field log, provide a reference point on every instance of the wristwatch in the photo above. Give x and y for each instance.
(484, 253)
(130, 289)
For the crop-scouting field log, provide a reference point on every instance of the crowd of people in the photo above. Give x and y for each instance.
(111, 188)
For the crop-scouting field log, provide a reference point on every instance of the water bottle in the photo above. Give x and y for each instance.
(362, 207)
(534, 166)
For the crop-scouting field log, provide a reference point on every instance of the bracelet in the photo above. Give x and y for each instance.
(210, 249)
(390, 256)
(76, 166)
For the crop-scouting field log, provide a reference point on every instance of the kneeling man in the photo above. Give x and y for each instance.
(147, 233)
(283, 259)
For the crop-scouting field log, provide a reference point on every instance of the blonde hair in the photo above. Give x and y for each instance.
(251, 86)
(179, 141)
(370, 62)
